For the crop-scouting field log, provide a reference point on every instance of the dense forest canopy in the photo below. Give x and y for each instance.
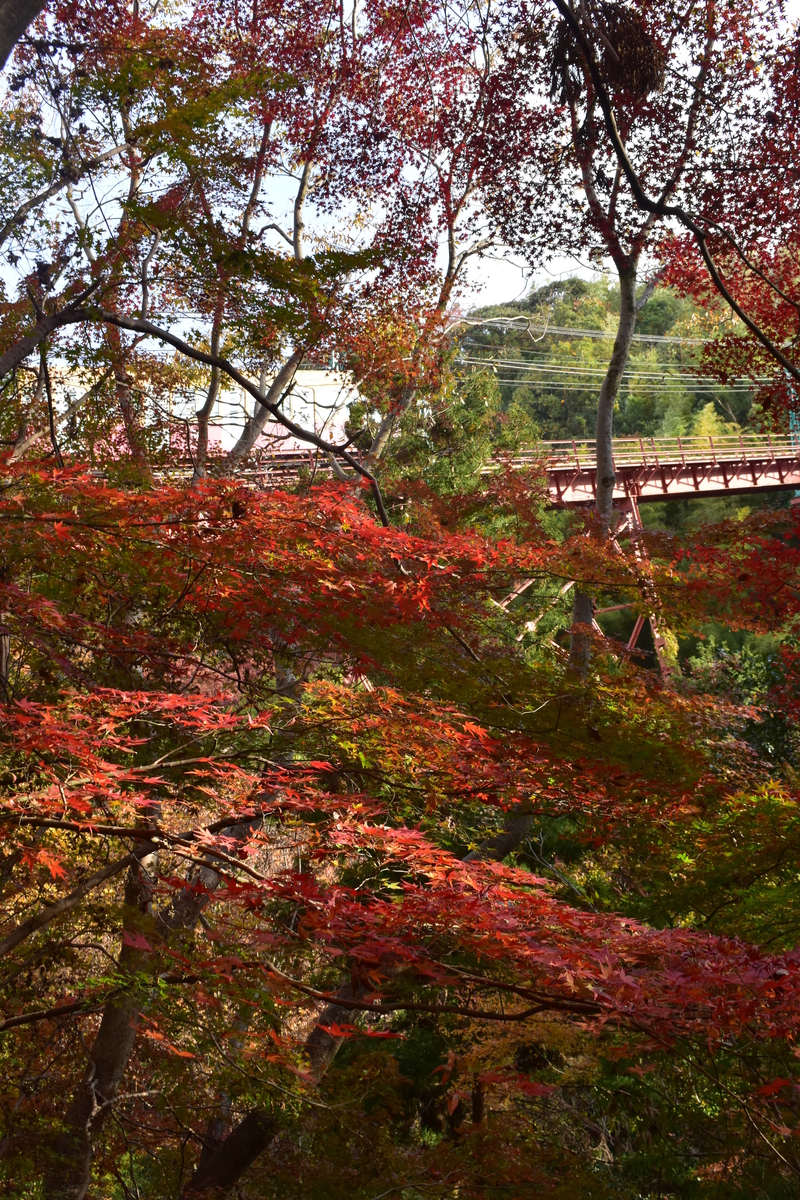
(351, 845)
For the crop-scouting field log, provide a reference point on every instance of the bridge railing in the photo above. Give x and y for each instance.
(648, 451)
(579, 455)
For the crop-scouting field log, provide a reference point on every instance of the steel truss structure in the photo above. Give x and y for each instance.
(650, 469)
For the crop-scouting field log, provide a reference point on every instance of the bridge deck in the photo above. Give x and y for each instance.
(646, 469)
(671, 468)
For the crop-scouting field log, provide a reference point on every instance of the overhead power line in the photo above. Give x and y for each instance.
(657, 388)
(523, 325)
(565, 369)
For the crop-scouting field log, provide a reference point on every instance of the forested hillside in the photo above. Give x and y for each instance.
(553, 374)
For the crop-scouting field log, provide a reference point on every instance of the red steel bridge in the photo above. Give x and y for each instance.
(649, 469)
(646, 468)
(671, 468)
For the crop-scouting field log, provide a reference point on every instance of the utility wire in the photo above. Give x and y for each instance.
(595, 372)
(658, 389)
(523, 325)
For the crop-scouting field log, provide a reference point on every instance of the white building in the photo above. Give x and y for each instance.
(318, 401)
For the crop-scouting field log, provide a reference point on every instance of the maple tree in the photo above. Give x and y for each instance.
(320, 876)
(175, 241)
(637, 95)
(739, 215)
(209, 142)
(281, 827)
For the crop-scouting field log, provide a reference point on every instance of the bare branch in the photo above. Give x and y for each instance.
(50, 1014)
(16, 220)
(139, 326)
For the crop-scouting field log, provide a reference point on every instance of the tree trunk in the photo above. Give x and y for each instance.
(216, 1174)
(516, 827)
(580, 644)
(5, 661)
(322, 1046)
(15, 17)
(69, 1175)
(254, 426)
(381, 439)
(608, 395)
(203, 417)
(126, 402)
(204, 413)
(582, 607)
(230, 1160)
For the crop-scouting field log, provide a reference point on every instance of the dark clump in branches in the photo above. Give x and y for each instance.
(630, 59)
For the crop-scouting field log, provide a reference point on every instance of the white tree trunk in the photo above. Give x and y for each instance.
(254, 426)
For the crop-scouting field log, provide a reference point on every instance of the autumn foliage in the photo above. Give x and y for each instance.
(323, 872)
(289, 727)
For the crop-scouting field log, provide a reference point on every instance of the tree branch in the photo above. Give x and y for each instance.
(16, 220)
(137, 325)
(21, 447)
(50, 1014)
(73, 314)
(65, 905)
(659, 207)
